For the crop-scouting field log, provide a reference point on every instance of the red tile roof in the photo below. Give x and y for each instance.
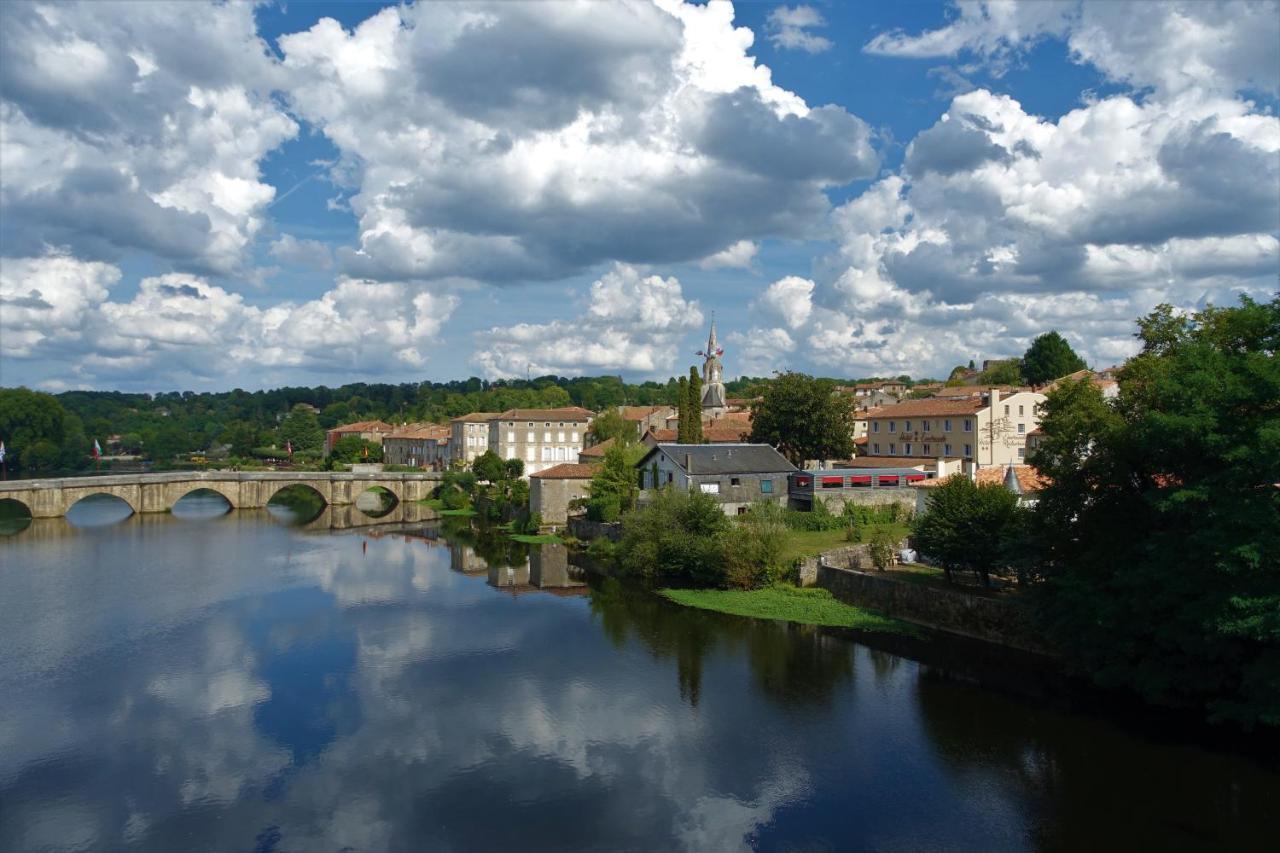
(567, 471)
(639, 413)
(930, 407)
(475, 418)
(364, 426)
(567, 413)
(597, 450)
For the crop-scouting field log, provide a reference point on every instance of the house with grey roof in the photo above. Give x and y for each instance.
(736, 475)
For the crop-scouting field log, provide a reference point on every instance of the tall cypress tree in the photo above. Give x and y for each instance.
(695, 406)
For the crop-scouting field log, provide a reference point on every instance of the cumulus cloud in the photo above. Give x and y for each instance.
(633, 323)
(1173, 47)
(305, 253)
(739, 256)
(481, 138)
(182, 329)
(121, 132)
(788, 28)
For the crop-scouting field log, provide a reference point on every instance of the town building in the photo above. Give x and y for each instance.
(736, 475)
(835, 487)
(553, 489)
(1023, 480)
(984, 430)
(372, 431)
(594, 455)
(469, 437)
(418, 445)
(645, 418)
(1109, 387)
(541, 438)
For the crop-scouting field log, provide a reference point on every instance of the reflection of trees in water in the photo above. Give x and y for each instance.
(491, 545)
(1087, 783)
(791, 663)
(297, 504)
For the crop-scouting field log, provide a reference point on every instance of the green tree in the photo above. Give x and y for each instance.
(804, 418)
(514, 469)
(1005, 372)
(695, 406)
(353, 448)
(1049, 357)
(1160, 527)
(614, 487)
(241, 436)
(677, 534)
(966, 526)
(610, 424)
(27, 418)
(301, 429)
(489, 466)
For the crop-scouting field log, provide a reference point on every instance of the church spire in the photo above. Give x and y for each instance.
(711, 340)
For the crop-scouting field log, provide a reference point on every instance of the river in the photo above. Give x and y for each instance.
(234, 682)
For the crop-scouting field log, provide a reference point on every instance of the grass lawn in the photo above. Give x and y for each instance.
(438, 506)
(810, 543)
(540, 539)
(792, 604)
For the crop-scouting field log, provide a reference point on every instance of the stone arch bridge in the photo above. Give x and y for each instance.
(143, 493)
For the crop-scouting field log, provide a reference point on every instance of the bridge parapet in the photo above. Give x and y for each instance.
(52, 497)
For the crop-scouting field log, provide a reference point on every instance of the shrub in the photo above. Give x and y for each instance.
(675, 535)
(881, 547)
(753, 546)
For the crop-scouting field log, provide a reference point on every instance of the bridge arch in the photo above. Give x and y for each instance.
(77, 497)
(230, 491)
(374, 500)
(195, 508)
(15, 516)
(302, 502)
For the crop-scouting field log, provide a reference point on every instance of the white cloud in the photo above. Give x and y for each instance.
(1173, 47)
(788, 28)
(788, 300)
(481, 137)
(738, 256)
(306, 253)
(633, 323)
(180, 328)
(121, 132)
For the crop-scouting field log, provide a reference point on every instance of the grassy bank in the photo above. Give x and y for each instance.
(811, 543)
(539, 539)
(438, 505)
(792, 604)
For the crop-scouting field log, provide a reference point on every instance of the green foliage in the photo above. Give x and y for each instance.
(301, 429)
(753, 547)
(817, 518)
(1049, 357)
(610, 424)
(880, 545)
(695, 407)
(967, 527)
(803, 606)
(804, 418)
(353, 448)
(1160, 530)
(676, 535)
(613, 489)
(489, 466)
(1006, 372)
(514, 469)
(33, 427)
(683, 412)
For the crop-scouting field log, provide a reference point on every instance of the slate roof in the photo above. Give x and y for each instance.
(724, 458)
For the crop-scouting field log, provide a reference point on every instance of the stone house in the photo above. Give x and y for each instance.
(551, 490)
(469, 436)
(594, 455)
(541, 438)
(374, 431)
(736, 475)
(985, 430)
(419, 445)
(645, 418)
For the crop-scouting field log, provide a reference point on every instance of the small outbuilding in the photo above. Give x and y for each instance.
(736, 475)
(551, 490)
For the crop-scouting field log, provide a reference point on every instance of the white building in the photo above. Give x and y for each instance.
(541, 438)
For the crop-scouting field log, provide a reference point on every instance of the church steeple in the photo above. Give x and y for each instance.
(713, 397)
(711, 340)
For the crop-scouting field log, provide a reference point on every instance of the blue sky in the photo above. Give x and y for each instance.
(300, 193)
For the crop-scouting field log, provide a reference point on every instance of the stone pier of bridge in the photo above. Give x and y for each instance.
(146, 493)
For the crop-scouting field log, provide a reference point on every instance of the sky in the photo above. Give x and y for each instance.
(247, 195)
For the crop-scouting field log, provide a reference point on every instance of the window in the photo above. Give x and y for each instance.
(968, 426)
(1022, 428)
(924, 425)
(530, 424)
(1019, 411)
(529, 438)
(560, 436)
(875, 426)
(529, 453)
(928, 449)
(766, 487)
(709, 488)
(906, 449)
(946, 450)
(891, 425)
(893, 448)
(735, 481)
(968, 450)
(562, 424)
(946, 425)
(547, 454)
(670, 477)
(875, 448)
(742, 510)
(511, 436)
(1022, 452)
(546, 437)
(906, 426)
(547, 424)
(573, 436)
(1006, 411)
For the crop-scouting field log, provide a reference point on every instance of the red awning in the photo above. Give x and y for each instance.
(911, 478)
(833, 481)
(889, 480)
(860, 480)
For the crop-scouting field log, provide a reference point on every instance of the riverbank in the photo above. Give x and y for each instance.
(789, 604)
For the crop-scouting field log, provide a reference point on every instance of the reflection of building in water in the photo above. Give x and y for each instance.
(549, 568)
(512, 578)
(466, 560)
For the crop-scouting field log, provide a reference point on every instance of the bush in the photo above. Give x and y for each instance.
(881, 547)
(605, 508)
(454, 498)
(816, 519)
(753, 547)
(677, 535)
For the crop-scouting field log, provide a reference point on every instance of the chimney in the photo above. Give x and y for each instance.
(995, 398)
(688, 463)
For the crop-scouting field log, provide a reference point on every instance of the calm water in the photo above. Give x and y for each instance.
(228, 682)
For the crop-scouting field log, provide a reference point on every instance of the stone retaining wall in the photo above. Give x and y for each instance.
(580, 527)
(992, 620)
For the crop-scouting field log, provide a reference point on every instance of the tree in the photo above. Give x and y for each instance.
(695, 406)
(1005, 372)
(1160, 527)
(804, 418)
(514, 469)
(677, 534)
(682, 412)
(610, 424)
(28, 418)
(353, 448)
(614, 487)
(489, 466)
(1049, 357)
(301, 429)
(965, 526)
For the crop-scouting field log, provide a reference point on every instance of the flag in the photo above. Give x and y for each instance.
(288, 448)
(1, 451)
(364, 452)
(97, 450)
